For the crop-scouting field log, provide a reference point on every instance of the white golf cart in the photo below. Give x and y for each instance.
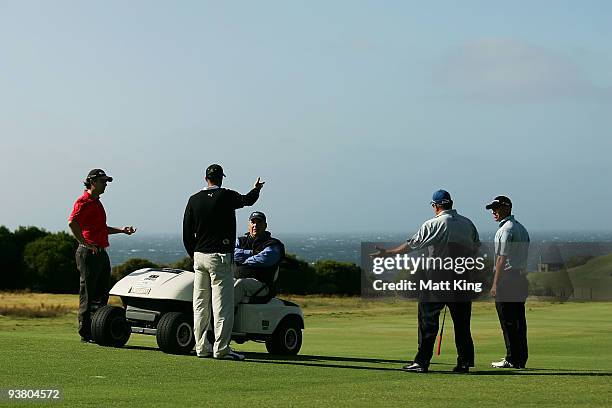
(159, 302)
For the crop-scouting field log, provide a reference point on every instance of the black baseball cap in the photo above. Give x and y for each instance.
(214, 171)
(257, 215)
(97, 173)
(499, 201)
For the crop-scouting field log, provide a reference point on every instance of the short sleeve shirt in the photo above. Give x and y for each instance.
(512, 241)
(446, 227)
(89, 213)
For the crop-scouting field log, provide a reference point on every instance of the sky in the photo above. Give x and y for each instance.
(352, 112)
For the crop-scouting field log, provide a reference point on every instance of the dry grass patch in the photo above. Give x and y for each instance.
(28, 310)
(27, 304)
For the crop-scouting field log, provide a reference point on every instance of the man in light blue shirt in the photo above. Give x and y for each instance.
(510, 286)
(447, 235)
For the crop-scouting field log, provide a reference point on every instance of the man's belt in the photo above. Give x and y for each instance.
(97, 247)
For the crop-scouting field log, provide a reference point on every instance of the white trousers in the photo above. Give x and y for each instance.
(213, 284)
(245, 287)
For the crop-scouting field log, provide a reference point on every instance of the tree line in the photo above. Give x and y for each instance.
(32, 258)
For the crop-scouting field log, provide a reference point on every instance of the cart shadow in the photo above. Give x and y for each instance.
(142, 348)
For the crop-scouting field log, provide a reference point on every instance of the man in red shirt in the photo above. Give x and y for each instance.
(88, 224)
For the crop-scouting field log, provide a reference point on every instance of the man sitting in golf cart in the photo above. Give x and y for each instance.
(257, 256)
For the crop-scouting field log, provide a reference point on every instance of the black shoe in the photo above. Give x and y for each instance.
(415, 368)
(461, 369)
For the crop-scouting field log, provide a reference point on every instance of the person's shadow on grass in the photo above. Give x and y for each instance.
(342, 362)
(329, 361)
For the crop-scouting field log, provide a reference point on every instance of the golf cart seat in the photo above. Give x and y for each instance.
(258, 299)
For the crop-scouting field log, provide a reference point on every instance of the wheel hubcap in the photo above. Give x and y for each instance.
(117, 328)
(184, 334)
(290, 339)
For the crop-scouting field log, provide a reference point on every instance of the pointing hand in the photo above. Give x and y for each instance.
(259, 184)
(380, 252)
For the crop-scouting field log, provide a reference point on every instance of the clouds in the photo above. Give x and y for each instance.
(507, 70)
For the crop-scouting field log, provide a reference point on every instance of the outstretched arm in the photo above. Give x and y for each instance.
(425, 236)
(251, 197)
(401, 249)
(123, 230)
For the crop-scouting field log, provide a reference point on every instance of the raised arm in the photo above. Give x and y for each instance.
(249, 198)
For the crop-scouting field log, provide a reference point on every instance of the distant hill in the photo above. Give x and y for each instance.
(593, 280)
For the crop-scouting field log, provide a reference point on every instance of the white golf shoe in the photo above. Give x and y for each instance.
(502, 364)
(231, 355)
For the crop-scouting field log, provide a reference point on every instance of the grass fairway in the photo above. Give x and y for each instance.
(351, 356)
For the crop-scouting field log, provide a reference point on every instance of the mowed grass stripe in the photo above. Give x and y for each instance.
(351, 356)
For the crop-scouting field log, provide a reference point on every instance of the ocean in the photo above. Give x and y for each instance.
(168, 248)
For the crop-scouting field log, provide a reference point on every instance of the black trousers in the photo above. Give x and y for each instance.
(514, 326)
(429, 316)
(95, 279)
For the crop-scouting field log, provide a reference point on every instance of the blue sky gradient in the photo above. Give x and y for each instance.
(353, 112)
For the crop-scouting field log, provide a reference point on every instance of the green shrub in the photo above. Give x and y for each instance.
(339, 278)
(185, 264)
(51, 264)
(296, 276)
(129, 266)
(13, 270)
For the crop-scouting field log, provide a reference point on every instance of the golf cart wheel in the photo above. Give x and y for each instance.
(109, 326)
(175, 333)
(286, 339)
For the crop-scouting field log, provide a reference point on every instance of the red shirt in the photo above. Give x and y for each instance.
(89, 213)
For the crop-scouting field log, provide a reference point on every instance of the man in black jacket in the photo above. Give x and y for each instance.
(209, 234)
(257, 256)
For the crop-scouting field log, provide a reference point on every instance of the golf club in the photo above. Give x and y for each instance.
(441, 332)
